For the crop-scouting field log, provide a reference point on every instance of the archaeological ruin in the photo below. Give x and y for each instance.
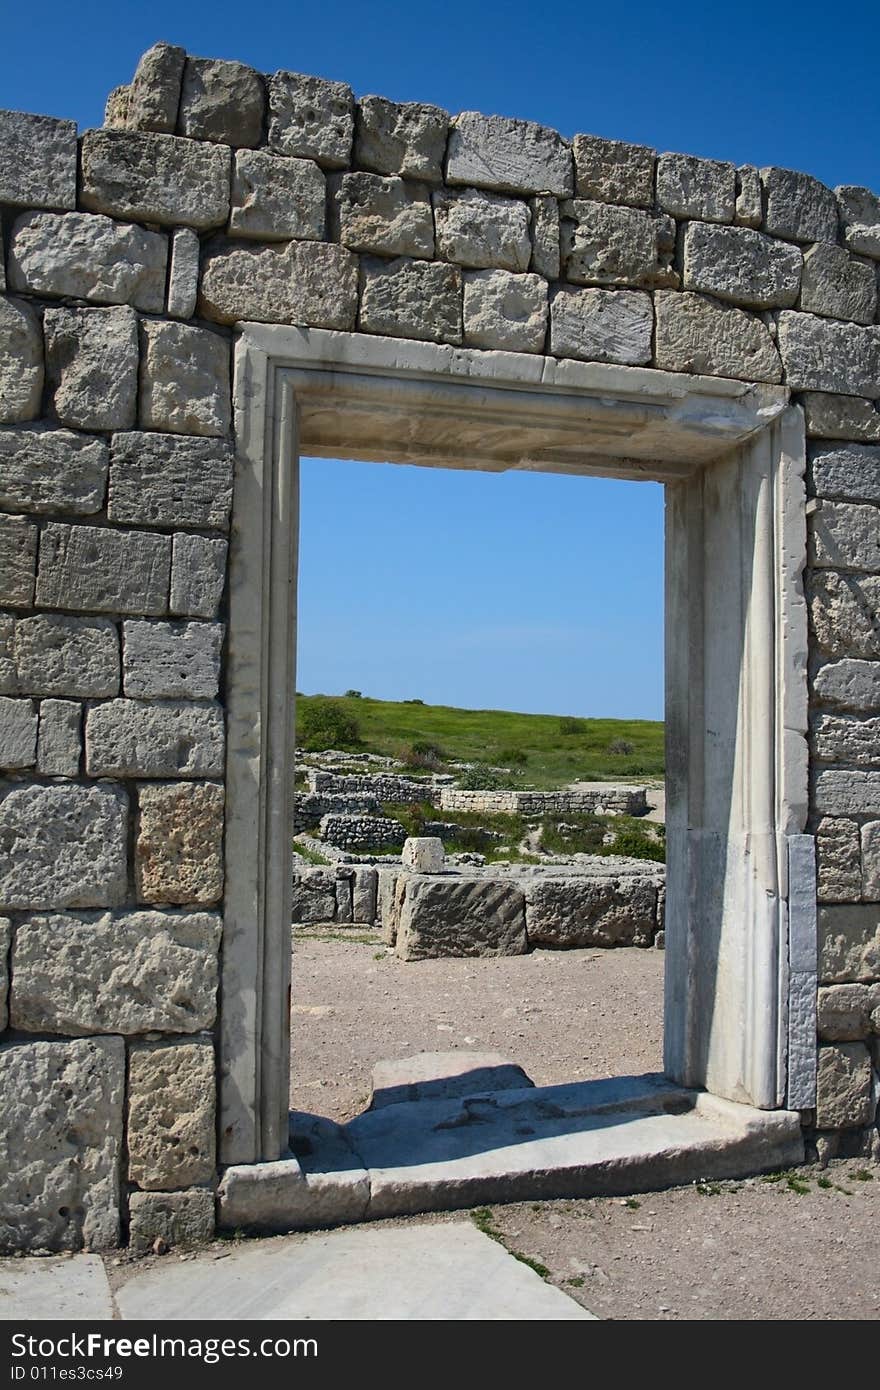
(238, 269)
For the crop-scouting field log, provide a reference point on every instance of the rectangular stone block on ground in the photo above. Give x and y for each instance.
(134, 738)
(591, 912)
(18, 733)
(62, 846)
(314, 896)
(171, 1114)
(180, 1219)
(39, 161)
(92, 366)
(155, 178)
(57, 655)
(510, 156)
(299, 282)
(18, 561)
(59, 743)
(170, 480)
(178, 852)
(84, 256)
(849, 943)
(99, 570)
(198, 575)
(43, 470)
(444, 916)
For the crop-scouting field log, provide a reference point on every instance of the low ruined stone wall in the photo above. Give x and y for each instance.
(310, 807)
(608, 800)
(360, 831)
(383, 786)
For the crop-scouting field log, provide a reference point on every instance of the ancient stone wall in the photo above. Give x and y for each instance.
(213, 195)
(608, 800)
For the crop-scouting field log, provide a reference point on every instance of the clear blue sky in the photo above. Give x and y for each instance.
(537, 593)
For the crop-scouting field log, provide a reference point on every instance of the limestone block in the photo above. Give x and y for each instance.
(840, 417)
(92, 366)
(221, 101)
(170, 1129)
(124, 972)
(442, 916)
(870, 857)
(698, 334)
(155, 178)
(846, 793)
(838, 860)
(824, 355)
(39, 161)
(183, 280)
(844, 1097)
(276, 198)
(850, 684)
(83, 256)
(749, 210)
(363, 896)
(154, 94)
(130, 738)
(424, 853)
(860, 216)
(411, 299)
(116, 107)
(59, 745)
(314, 896)
(845, 535)
(741, 266)
(344, 896)
(601, 325)
(61, 1143)
(545, 236)
(311, 118)
(505, 311)
(301, 282)
(171, 661)
(198, 575)
(507, 155)
(62, 846)
(845, 613)
(406, 138)
(185, 380)
(851, 471)
(18, 733)
(178, 853)
(18, 560)
(605, 245)
(692, 187)
(178, 1219)
(21, 362)
(5, 942)
(591, 912)
(481, 230)
(384, 215)
(837, 286)
(845, 739)
(612, 171)
(57, 655)
(849, 943)
(798, 207)
(99, 570)
(169, 479)
(8, 679)
(843, 1013)
(44, 470)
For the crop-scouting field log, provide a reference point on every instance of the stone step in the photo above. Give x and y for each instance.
(443, 1076)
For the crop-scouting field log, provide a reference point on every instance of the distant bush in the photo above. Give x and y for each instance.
(570, 726)
(513, 757)
(323, 723)
(480, 778)
(354, 695)
(423, 754)
(412, 702)
(638, 845)
(621, 747)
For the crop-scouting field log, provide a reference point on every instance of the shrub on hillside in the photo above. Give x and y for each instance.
(324, 724)
(570, 726)
(424, 755)
(513, 757)
(354, 694)
(621, 747)
(480, 778)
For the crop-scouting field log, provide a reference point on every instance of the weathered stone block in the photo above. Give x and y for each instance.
(411, 299)
(169, 479)
(692, 187)
(18, 560)
(92, 366)
(843, 1013)
(697, 334)
(300, 282)
(179, 1219)
(171, 661)
(605, 245)
(116, 972)
(545, 236)
(424, 853)
(154, 94)
(178, 854)
(221, 101)
(505, 311)
(383, 215)
(741, 266)
(836, 286)
(870, 846)
(846, 793)
(155, 178)
(18, 733)
(442, 916)
(21, 362)
(845, 535)
(5, 942)
(406, 138)
(844, 1098)
(198, 575)
(851, 471)
(62, 846)
(99, 570)
(314, 896)
(61, 1144)
(343, 896)
(363, 896)
(601, 325)
(52, 471)
(849, 684)
(611, 171)
(171, 1114)
(849, 944)
(798, 207)
(8, 678)
(276, 198)
(749, 202)
(860, 216)
(481, 230)
(39, 161)
(185, 380)
(840, 417)
(130, 738)
(825, 355)
(509, 156)
(183, 280)
(845, 613)
(83, 256)
(57, 655)
(845, 739)
(838, 860)
(312, 118)
(59, 745)
(591, 912)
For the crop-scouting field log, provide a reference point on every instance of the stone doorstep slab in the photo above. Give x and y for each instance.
(72, 1288)
(442, 1076)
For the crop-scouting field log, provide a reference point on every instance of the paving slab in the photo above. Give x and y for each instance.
(72, 1288)
(447, 1272)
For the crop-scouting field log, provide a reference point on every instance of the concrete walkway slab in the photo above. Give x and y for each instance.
(70, 1288)
(449, 1272)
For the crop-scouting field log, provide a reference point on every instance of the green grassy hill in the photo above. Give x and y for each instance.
(547, 750)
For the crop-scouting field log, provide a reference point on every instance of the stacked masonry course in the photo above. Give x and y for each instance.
(215, 195)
